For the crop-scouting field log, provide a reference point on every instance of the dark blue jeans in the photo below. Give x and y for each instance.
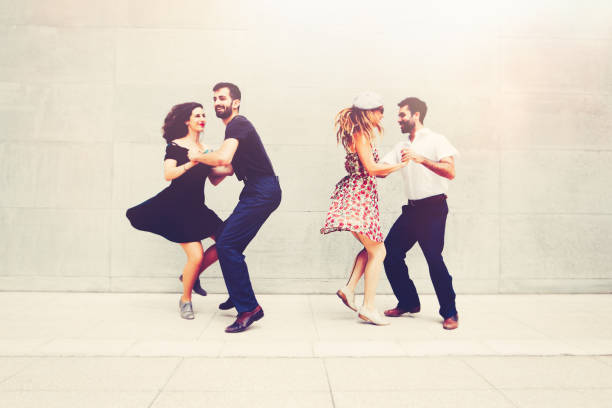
(424, 224)
(258, 199)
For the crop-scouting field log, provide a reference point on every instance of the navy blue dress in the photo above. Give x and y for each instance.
(178, 212)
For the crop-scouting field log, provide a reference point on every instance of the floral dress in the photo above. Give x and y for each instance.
(354, 205)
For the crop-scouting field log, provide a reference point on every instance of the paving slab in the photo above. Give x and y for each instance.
(555, 398)
(422, 399)
(11, 366)
(91, 373)
(89, 398)
(169, 348)
(249, 374)
(543, 372)
(405, 373)
(241, 399)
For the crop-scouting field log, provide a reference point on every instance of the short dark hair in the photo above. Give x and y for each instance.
(415, 105)
(174, 125)
(233, 89)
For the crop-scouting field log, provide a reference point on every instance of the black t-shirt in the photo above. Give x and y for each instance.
(250, 159)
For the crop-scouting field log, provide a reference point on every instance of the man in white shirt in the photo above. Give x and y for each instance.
(423, 219)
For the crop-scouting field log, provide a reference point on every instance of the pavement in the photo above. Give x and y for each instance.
(133, 350)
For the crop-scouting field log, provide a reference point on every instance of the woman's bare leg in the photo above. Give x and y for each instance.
(375, 257)
(358, 267)
(195, 256)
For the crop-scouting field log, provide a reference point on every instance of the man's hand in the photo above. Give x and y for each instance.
(409, 154)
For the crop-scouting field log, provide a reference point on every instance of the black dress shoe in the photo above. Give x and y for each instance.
(197, 288)
(244, 320)
(227, 305)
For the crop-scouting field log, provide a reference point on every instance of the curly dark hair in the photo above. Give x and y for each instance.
(174, 124)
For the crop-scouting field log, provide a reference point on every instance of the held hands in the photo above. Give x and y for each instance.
(409, 154)
(193, 155)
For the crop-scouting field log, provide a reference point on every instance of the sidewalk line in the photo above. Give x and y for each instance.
(167, 381)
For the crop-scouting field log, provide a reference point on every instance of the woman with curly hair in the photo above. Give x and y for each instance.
(178, 212)
(354, 205)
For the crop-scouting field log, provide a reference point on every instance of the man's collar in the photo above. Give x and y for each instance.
(232, 119)
(420, 131)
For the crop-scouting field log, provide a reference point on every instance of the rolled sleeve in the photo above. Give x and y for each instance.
(445, 149)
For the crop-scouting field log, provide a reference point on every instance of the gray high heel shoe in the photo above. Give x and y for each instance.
(186, 310)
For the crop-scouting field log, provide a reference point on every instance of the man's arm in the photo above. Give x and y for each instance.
(217, 174)
(221, 157)
(444, 168)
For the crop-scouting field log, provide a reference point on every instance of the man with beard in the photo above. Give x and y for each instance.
(423, 219)
(260, 196)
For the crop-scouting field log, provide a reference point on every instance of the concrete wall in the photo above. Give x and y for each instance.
(522, 88)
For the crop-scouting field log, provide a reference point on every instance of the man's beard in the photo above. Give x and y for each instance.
(406, 127)
(223, 113)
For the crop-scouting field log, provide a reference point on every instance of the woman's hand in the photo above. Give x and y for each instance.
(409, 154)
(193, 154)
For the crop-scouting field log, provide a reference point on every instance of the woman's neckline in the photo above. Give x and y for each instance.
(182, 147)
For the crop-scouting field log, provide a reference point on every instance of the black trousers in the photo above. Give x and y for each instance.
(424, 223)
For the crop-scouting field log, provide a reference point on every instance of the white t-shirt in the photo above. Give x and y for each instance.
(419, 181)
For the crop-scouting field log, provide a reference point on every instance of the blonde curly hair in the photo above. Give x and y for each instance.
(351, 120)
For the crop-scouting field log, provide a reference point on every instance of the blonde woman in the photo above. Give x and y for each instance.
(354, 205)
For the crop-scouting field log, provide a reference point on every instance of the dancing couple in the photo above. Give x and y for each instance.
(179, 213)
(426, 162)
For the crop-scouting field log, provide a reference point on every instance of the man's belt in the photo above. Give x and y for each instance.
(427, 200)
(257, 177)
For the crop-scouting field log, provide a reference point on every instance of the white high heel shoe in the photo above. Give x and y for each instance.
(348, 298)
(372, 316)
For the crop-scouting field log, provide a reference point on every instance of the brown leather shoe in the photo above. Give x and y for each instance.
(244, 320)
(398, 311)
(451, 323)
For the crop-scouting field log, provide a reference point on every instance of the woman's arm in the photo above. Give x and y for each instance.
(364, 151)
(172, 171)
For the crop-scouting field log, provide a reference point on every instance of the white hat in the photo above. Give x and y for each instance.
(367, 101)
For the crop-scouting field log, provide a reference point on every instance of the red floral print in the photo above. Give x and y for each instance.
(354, 205)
